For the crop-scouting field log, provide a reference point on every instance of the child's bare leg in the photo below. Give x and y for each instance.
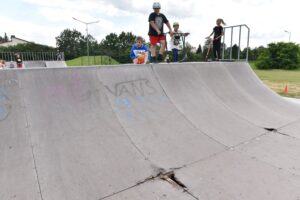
(153, 50)
(162, 47)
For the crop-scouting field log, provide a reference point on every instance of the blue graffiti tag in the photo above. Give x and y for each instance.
(123, 102)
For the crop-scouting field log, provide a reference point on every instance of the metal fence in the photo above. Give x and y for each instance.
(232, 29)
(33, 56)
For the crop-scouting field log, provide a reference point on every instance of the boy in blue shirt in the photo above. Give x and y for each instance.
(139, 52)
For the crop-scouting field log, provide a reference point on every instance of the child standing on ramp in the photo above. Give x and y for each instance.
(139, 51)
(19, 61)
(218, 32)
(175, 40)
(156, 32)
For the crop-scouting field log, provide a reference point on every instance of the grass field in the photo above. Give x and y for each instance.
(277, 80)
(93, 60)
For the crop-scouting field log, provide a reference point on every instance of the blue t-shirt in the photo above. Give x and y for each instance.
(137, 51)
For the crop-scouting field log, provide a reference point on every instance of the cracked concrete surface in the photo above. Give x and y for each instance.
(167, 131)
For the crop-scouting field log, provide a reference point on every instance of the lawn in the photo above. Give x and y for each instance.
(277, 80)
(93, 60)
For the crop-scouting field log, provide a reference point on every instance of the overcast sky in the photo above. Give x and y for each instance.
(42, 20)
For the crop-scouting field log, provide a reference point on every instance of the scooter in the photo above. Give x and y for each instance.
(209, 43)
(183, 36)
(167, 59)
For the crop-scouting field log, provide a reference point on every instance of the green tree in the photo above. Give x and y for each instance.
(191, 53)
(117, 46)
(279, 55)
(253, 55)
(27, 47)
(5, 39)
(199, 49)
(235, 51)
(71, 42)
(26, 50)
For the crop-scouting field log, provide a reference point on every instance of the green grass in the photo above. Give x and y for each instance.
(93, 60)
(278, 79)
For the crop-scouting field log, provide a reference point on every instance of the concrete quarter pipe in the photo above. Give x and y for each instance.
(167, 131)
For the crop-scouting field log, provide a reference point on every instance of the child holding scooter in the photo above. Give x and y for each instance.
(218, 32)
(175, 40)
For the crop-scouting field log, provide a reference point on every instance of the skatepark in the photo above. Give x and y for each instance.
(159, 131)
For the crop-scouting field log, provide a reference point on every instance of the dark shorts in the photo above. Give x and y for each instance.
(156, 39)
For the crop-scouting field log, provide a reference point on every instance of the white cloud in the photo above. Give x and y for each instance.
(267, 18)
(42, 34)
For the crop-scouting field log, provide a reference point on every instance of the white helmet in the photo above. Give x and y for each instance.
(156, 5)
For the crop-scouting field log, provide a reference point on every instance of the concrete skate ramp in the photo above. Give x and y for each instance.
(168, 131)
(202, 107)
(227, 89)
(251, 84)
(153, 123)
(34, 64)
(61, 137)
(55, 64)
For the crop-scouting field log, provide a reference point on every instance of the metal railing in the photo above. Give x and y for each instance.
(239, 43)
(33, 56)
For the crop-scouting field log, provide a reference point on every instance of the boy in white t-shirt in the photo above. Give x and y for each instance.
(175, 40)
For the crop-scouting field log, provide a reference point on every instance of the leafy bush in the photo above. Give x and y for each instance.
(28, 47)
(279, 56)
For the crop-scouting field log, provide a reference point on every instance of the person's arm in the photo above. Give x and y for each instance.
(146, 57)
(218, 37)
(146, 54)
(152, 23)
(170, 28)
(210, 35)
(132, 55)
(166, 21)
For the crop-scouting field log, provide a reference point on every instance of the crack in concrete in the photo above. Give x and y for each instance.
(171, 178)
(32, 150)
(160, 171)
(168, 177)
(287, 135)
(271, 129)
(276, 131)
(175, 182)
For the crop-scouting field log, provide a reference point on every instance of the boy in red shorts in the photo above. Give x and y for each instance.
(156, 32)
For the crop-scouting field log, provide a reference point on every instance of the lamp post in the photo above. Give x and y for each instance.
(289, 34)
(87, 35)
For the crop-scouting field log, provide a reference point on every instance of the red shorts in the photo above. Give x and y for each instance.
(19, 65)
(156, 39)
